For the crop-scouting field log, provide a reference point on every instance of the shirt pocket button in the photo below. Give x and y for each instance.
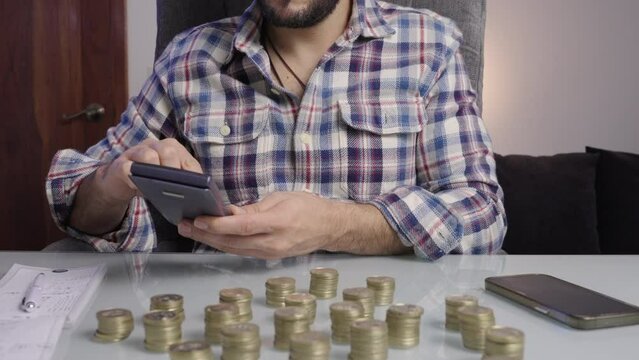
(225, 130)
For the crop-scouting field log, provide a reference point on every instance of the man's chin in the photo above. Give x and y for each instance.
(291, 14)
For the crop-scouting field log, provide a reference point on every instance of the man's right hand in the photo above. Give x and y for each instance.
(168, 152)
(103, 198)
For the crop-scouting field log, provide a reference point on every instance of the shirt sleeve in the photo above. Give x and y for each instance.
(456, 205)
(147, 116)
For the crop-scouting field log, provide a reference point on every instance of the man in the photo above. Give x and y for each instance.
(337, 125)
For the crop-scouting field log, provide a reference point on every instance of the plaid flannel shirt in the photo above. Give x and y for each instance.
(388, 118)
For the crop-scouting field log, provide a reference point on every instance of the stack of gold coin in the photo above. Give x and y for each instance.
(241, 342)
(403, 325)
(277, 289)
(163, 329)
(217, 316)
(307, 301)
(453, 303)
(169, 302)
(242, 298)
(364, 296)
(191, 350)
(504, 341)
(288, 321)
(342, 315)
(384, 288)
(113, 325)
(473, 322)
(310, 345)
(369, 340)
(324, 283)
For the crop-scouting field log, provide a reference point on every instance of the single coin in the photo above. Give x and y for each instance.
(504, 335)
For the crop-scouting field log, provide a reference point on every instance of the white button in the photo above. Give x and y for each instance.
(225, 130)
(306, 138)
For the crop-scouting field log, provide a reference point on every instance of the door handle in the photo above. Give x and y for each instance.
(93, 113)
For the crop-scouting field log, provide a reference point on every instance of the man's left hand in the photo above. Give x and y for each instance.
(283, 224)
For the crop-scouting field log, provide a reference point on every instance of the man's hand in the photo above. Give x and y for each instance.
(103, 198)
(291, 224)
(168, 152)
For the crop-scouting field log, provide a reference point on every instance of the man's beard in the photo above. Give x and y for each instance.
(315, 12)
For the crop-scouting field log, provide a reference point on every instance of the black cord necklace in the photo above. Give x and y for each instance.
(277, 75)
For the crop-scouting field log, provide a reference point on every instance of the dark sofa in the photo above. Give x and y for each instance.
(580, 203)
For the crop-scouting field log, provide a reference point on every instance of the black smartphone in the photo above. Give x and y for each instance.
(178, 194)
(571, 304)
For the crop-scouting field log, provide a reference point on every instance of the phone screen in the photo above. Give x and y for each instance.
(563, 296)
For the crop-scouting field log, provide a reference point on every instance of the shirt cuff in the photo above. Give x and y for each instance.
(68, 171)
(422, 220)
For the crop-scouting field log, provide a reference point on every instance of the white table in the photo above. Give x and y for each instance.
(132, 279)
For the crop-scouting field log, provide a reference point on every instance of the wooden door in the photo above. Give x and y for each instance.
(56, 57)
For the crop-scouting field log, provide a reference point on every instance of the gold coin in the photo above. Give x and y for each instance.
(456, 301)
(216, 316)
(277, 289)
(242, 298)
(504, 335)
(162, 329)
(234, 294)
(167, 298)
(474, 312)
(500, 357)
(222, 310)
(404, 322)
(342, 315)
(111, 313)
(474, 321)
(364, 296)
(321, 272)
(310, 345)
(369, 340)
(240, 330)
(324, 283)
(405, 311)
(289, 320)
(281, 282)
(297, 299)
(491, 348)
(159, 317)
(303, 300)
(384, 288)
(241, 342)
(191, 350)
(291, 313)
(310, 340)
(113, 325)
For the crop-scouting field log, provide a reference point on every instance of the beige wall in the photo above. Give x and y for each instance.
(560, 74)
(141, 27)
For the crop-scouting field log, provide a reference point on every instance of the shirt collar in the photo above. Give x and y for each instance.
(366, 21)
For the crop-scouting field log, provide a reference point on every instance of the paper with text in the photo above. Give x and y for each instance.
(65, 292)
(29, 339)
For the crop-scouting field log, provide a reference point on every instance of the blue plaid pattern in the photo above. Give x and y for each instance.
(388, 118)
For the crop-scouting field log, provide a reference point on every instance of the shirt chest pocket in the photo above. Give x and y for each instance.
(233, 147)
(378, 142)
